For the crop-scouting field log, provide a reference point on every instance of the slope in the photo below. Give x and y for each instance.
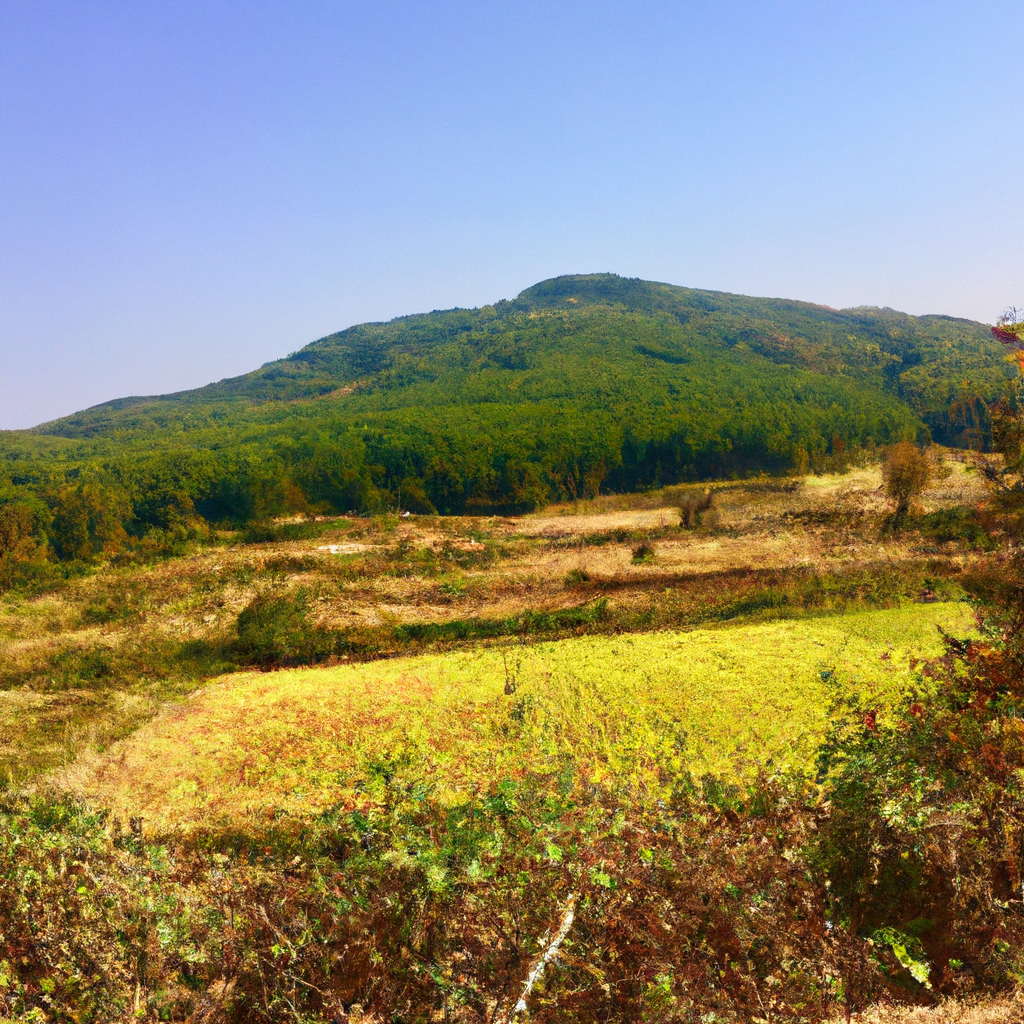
(581, 383)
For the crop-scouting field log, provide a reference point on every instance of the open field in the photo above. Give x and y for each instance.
(636, 712)
(84, 663)
(606, 718)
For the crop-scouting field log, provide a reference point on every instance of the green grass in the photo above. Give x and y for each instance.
(645, 713)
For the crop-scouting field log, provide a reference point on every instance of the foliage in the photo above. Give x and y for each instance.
(726, 701)
(275, 629)
(923, 844)
(414, 860)
(964, 526)
(401, 840)
(643, 553)
(692, 508)
(926, 815)
(906, 472)
(696, 897)
(422, 909)
(87, 520)
(581, 384)
(275, 533)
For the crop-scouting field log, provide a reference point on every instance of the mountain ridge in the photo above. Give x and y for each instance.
(580, 383)
(544, 294)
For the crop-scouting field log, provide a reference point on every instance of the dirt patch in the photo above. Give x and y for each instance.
(1008, 1010)
(568, 525)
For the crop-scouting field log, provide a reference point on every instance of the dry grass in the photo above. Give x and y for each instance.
(570, 525)
(123, 629)
(1007, 1010)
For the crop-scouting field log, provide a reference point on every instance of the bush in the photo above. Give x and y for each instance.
(412, 497)
(421, 909)
(960, 525)
(270, 532)
(692, 509)
(906, 473)
(643, 553)
(274, 629)
(922, 846)
(88, 520)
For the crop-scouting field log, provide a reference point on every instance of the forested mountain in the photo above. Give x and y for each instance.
(580, 383)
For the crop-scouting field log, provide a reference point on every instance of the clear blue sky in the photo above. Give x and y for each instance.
(188, 190)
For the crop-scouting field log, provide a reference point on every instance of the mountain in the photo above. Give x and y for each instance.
(581, 382)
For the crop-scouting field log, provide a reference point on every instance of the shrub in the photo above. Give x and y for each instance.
(21, 522)
(643, 553)
(424, 910)
(88, 520)
(963, 526)
(274, 629)
(922, 845)
(271, 532)
(906, 473)
(692, 508)
(412, 497)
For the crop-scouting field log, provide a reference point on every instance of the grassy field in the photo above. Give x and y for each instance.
(639, 713)
(86, 660)
(612, 710)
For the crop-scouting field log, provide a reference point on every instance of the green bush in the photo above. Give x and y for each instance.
(922, 846)
(270, 533)
(643, 553)
(959, 525)
(275, 629)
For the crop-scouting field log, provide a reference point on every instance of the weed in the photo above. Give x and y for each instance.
(643, 554)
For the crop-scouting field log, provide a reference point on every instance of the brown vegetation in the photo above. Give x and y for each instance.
(795, 897)
(84, 661)
(906, 472)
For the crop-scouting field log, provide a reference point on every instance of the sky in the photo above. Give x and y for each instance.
(189, 190)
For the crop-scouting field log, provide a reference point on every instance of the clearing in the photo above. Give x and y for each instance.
(84, 663)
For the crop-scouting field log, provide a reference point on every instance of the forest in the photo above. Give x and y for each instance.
(747, 749)
(581, 385)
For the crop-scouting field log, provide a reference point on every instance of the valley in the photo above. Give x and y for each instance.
(86, 664)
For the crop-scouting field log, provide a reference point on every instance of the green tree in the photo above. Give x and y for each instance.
(88, 520)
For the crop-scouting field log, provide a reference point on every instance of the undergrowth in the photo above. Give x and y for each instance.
(894, 874)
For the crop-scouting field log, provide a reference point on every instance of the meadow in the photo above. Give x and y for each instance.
(642, 714)
(368, 769)
(86, 660)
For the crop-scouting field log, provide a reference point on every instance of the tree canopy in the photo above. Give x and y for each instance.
(580, 384)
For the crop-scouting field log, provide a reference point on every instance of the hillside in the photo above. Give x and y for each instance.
(580, 384)
(611, 708)
(655, 711)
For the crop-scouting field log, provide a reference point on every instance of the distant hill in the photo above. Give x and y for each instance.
(580, 383)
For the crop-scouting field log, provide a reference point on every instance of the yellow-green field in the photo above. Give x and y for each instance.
(635, 710)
